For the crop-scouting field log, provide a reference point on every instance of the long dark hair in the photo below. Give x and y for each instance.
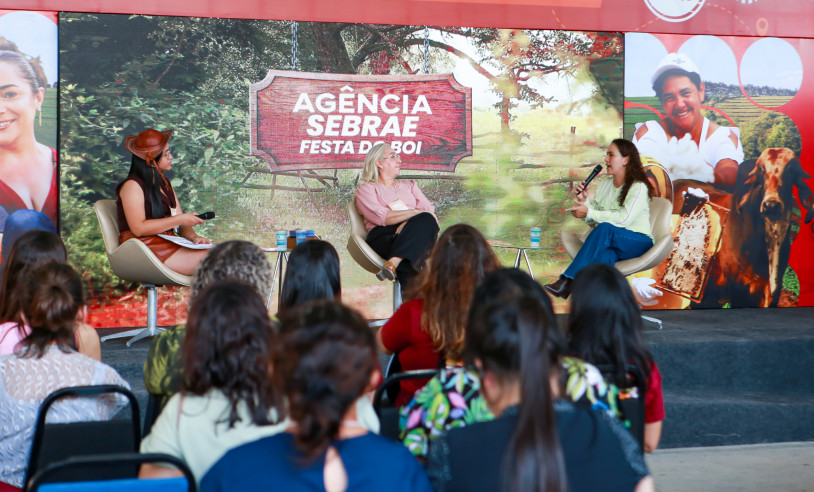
(228, 346)
(324, 364)
(52, 298)
(605, 325)
(153, 184)
(456, 265)
(312, 273)
(29, 250)
(509, 335)
(633, 171)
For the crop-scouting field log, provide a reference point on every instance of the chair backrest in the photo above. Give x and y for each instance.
(389, 414)
(44, 481)
(55, 442)
(109, 222)
(632, 408)
(660, 222)
(357, 222)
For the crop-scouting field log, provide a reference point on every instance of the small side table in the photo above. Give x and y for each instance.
(282, 259)
(521, 250)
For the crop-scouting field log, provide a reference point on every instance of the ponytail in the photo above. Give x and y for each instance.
(534, 454)
(514, 336)
(324, 364)
(52, 297)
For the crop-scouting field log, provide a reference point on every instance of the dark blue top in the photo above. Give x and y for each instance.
(372, 462)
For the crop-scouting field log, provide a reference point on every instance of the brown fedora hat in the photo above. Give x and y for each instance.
(148, 144)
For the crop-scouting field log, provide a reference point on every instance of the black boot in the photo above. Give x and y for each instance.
(560, 287)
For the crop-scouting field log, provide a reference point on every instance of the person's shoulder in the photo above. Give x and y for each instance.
(366, 187)
(130, 185)
(169, 339)
(649, 127)
(385, 451)
(638, 185)
(258, 450)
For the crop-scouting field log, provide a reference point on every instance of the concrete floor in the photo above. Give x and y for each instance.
(787, 467)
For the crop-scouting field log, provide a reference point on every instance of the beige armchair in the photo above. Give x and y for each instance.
(134, 262)
(660, 223)
(363, 254)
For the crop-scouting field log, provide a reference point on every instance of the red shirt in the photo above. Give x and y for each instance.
(403, 335)
(653, 397)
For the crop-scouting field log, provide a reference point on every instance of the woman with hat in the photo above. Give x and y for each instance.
(147, 205)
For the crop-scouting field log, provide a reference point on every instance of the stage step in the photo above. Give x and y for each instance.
(736, 376)
(698, 418)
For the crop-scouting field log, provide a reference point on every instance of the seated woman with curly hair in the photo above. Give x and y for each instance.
(227, 397)
(327, 360)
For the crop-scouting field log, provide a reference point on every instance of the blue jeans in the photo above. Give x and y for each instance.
(609, 244)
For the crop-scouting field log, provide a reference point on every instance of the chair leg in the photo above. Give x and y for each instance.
(152, 328)
(653, 320)
(396, 294)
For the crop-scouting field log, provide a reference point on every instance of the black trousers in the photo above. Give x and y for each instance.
(413, 244)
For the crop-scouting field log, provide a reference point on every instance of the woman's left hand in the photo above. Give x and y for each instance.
(579, 211)
(201, 240)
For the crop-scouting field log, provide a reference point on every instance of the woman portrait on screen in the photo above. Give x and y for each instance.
(28, 175)
(399, 219)
(147, 204)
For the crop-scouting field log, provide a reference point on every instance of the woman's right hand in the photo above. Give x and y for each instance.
(188, 219)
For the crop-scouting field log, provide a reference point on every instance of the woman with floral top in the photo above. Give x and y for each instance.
(605, 328)
(452, 399)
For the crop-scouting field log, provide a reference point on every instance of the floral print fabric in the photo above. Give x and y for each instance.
(452, 399)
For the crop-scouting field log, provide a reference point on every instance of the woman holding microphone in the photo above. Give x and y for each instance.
(620, 210)
(400, 220)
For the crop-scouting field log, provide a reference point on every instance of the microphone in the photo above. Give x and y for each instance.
(597, 170)
(209, 215)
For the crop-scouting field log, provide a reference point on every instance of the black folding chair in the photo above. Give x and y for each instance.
(48, 478)
(387, 412)
(632, 408)
(57, 442)
(154, 406)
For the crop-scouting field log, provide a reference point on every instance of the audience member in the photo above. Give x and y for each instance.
(535, 443)
(227, 397)
(428, 330)
(605, 328)
(327, 360)
(47, 360)
(312, 273)
(452, 398)
(31, 249)
(238, 260)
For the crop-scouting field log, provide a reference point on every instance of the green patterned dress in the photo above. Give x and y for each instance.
(452, 399)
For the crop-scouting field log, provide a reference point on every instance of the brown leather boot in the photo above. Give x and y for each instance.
(560, 287)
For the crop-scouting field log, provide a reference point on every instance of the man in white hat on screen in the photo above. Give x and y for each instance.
(684, 142)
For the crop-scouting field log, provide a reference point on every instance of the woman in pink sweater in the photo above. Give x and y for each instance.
(401, 223)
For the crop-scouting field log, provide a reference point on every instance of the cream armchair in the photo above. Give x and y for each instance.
(660, 224)
(363, 254)
(134, 262)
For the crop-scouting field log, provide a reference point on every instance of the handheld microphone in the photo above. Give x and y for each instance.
(206, 215)
(597, 170)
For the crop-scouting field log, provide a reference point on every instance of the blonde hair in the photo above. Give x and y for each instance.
(370, 173)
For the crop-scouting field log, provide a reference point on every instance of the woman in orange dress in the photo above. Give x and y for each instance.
(147, 205)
